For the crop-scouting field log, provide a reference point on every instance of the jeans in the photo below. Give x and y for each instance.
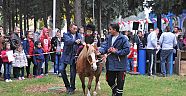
(72, 75)
(7, 70)
(46, 64)
(38, 68)
(165, 56)
(130, 64)
(56, 63)
(0, 66)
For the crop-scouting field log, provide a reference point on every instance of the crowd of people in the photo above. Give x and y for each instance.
(19, 51)
(159, 46)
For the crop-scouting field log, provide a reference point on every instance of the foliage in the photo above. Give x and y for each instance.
(166, 6)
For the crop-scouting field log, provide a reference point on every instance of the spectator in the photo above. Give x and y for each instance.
(15, 38)
(19, 63)
(38, 59)
(57, 44)
(1, 46)
(46, 45)
(28, 46)
(151, 50)
(167, 42)
(6, 62)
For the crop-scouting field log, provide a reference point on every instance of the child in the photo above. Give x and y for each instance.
(19, 63)
(38, 58)
(7, 63)
(130, 58)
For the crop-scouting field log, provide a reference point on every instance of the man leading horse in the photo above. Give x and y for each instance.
(117, 46)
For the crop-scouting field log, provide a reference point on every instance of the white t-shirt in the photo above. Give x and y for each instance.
(114, 39)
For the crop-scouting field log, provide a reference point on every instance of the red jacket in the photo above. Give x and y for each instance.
(45, 41)
(3, 56)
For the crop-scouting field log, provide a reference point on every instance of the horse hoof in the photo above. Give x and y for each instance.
(99, 88)
(88, 94)
(94, 93)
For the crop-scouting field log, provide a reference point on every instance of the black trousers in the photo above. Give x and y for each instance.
(152, 61)
(28, 67)
(116, 80)
(19, 72)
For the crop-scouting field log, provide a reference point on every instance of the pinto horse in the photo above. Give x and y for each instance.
(87, 66)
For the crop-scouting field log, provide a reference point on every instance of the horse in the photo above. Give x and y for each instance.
(88, 66)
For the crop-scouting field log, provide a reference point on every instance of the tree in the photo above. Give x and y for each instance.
(164, 7)
(77, 10)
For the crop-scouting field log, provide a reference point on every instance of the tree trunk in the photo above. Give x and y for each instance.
(16, 13)
(67, 7)
(159, 21)
(108, 19)
(45, 15)
(83, 12)
(77, 7)
(4, 12)
(58, 14)
(13, 14)
(25, 16)
(20, 15)
(35, 24)
(99, 16)
(9, 16)
(27, 21)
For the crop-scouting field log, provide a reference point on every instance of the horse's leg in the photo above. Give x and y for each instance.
(89, 85)
(96, 85)
(97, 77)
(83, 83)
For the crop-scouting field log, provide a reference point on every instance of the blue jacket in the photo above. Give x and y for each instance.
(116, 61)
(70, 48)
(38, 55)
(26, 46)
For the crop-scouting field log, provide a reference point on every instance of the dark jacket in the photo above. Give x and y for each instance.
(116, 61)
(38, 55)
(26, 45)
(70, 48)
(54, 42)
(15, 41)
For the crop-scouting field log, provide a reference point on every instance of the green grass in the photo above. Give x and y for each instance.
(135, 85)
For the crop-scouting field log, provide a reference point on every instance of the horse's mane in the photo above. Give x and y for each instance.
(83, 53)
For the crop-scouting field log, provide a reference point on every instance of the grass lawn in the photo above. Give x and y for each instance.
(135, 85)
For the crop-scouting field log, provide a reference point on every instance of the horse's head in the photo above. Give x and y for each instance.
(91, 56)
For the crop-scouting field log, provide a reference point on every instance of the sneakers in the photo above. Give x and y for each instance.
(23, 78)
(8, 80)
(19, 78)
(40, 76)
